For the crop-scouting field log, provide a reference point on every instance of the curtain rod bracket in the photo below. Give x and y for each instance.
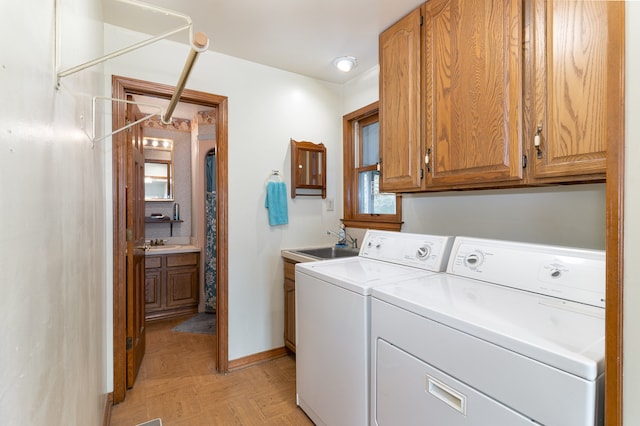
(104, 98)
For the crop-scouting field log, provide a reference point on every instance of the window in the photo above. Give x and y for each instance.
(364, 205)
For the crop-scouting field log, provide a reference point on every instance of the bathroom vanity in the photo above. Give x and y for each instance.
(172, 284)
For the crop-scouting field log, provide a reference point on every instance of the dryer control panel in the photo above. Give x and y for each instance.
(429, 252)
(564, 272)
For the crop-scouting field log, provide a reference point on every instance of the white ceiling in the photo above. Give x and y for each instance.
(301, 36)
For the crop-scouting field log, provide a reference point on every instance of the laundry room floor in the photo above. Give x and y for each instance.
(178, 384)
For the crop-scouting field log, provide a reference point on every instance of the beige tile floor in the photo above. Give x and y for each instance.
(178, 384)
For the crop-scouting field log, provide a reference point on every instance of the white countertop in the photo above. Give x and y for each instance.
(171, 248)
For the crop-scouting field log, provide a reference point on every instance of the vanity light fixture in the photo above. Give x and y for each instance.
(345, 63)
(161, 143)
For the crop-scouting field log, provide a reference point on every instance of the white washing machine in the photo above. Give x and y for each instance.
(512, 334)
(333, 320)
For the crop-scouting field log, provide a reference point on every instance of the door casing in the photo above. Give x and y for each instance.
(121, 87)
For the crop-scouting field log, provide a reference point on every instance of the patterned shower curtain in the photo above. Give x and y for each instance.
(211, 237)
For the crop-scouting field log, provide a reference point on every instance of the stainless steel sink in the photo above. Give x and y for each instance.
(329, 252)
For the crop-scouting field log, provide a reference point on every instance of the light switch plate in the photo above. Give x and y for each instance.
(329, 204)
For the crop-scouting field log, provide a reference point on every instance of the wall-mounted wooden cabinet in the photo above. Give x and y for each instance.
(464, 86)
(400, 105)
(577, 56)
(308, 169)
(171, 285)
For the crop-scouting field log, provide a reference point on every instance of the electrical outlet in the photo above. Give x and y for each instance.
(329, 204)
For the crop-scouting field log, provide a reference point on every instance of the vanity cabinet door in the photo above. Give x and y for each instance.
(182, 287)
(152, 290)
(153, 284)
(182, 280)
(578, 55)
(472, 92)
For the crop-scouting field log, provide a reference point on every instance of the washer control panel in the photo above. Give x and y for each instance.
(567, 273)
(429, 252)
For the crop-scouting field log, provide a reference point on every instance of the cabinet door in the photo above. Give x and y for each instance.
(181, 287)
(152, 290)
(473, 91)
(400, 138)
(578, 95)
(290, 314)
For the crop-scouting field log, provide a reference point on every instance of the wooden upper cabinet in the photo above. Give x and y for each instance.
(578, 54)
(479, 94)
(472, 92)
(400, 99)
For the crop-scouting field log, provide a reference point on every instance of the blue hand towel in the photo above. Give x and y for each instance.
(276, 202)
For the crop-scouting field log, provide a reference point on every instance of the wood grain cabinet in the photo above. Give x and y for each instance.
(171, 285)
(477, 94)
(290, 304)
(576, 88)
(400, 104)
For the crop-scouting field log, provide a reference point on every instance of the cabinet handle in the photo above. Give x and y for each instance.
(426, 159)
(537, 139)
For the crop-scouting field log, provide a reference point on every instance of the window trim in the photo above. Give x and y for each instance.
(352, 218)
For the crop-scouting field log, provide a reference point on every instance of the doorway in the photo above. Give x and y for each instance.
(123, 87)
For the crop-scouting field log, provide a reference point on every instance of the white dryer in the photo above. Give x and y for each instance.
(512, 334)
(333, 320)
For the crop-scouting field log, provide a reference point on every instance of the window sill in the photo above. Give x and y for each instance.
(372, 224)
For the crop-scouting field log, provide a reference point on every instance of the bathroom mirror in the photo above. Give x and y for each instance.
(158, 169)
(308, 169)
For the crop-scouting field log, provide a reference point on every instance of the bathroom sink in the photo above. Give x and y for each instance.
(164, 247)
(330, 252)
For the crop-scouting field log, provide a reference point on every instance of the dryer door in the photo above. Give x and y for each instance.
(408, 391)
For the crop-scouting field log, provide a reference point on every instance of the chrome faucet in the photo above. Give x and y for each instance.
(343, 237)
(352, 241)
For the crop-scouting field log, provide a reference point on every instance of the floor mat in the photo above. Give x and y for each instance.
(202, 323)
(154, 422)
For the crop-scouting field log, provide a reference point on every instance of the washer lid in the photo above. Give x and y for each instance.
(566, 335)
(357, 273)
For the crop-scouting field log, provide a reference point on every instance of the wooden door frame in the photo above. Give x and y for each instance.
(121, 86)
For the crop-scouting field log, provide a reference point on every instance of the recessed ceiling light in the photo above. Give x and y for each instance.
(345, 63)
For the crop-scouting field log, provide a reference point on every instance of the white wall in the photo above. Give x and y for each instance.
(267, 107)
(631, 336)
(53, 307)
(563, 215)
